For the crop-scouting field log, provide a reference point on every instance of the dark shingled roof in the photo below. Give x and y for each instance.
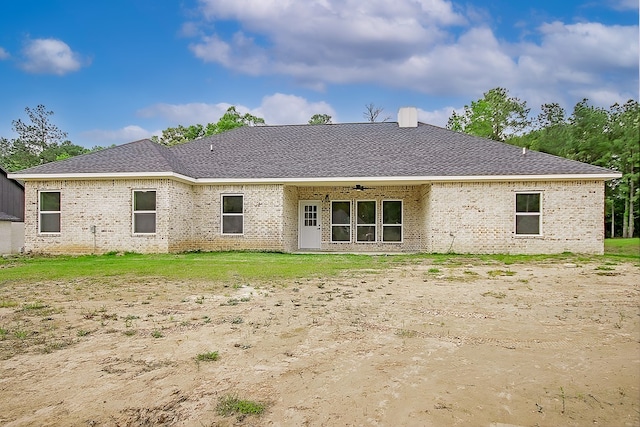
(138, 156)
(325, 151)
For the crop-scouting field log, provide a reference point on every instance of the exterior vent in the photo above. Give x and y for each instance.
(408, 117)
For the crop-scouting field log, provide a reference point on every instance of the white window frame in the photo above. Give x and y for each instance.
(349, 224)
(134, 211)
(517, 214)
(374, 224)
(223, 215)
(401, 224)
(41, 212)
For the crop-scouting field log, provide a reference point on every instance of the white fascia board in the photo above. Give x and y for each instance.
(409, 180)
(101, 176)
(558, 177)
(391, 180)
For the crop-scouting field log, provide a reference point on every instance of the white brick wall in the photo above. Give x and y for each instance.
(480, 217)
(107, 205)
(263, 218)
(439, 217)
(187, 218)
(290, 218)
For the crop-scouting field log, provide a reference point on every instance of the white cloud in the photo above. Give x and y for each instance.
(240, 53)
(299, 13)
(603, 97)
(212, 49)
(427, 46)
(118, 136)
(578, 61)
(592, 45)
(474, 62)
(624, 4)
(279, 109)
(186, 114)
(438, 117)
(275, 109)
(50, 56)
(3, 54)
(189, 29)
(303, 35)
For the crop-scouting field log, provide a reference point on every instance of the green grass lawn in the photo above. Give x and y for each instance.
(622, 246)
(216, 266)
(247, 266)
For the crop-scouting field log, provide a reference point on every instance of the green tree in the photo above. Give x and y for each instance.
(495, 116)
(55, 152)
(623, 132)
(181, 134)
(40, 133)
(549, 132)
(39, 141)
(589, 141)
(231, 119)
(15, 155)
(320, 119)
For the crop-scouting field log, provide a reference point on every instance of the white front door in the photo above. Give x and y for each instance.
(309, 236)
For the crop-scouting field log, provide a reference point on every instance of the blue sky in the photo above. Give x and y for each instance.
(115, 71)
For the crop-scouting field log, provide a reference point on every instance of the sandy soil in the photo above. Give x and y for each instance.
(479, 344)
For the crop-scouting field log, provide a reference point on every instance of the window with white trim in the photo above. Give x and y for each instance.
(232, 214)
(528, 214)
(365, 221)
(341, 221)
(144, 211)
(392, 221)
(49, 207)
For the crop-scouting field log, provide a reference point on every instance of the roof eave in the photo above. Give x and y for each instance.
(409, 180)
(101, 176)
(390, 180)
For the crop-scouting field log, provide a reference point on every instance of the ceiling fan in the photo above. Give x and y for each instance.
(359, 187)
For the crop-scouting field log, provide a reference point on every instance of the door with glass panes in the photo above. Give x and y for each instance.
(309, 230)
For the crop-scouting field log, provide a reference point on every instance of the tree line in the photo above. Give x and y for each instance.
(39, 141)
(231, 119)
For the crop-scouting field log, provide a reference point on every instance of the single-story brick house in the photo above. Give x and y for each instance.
(11, 214)
(357, 187)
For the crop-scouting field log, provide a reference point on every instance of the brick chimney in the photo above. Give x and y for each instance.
(408, 117)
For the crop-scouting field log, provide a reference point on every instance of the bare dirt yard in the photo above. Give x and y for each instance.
(474, 343)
